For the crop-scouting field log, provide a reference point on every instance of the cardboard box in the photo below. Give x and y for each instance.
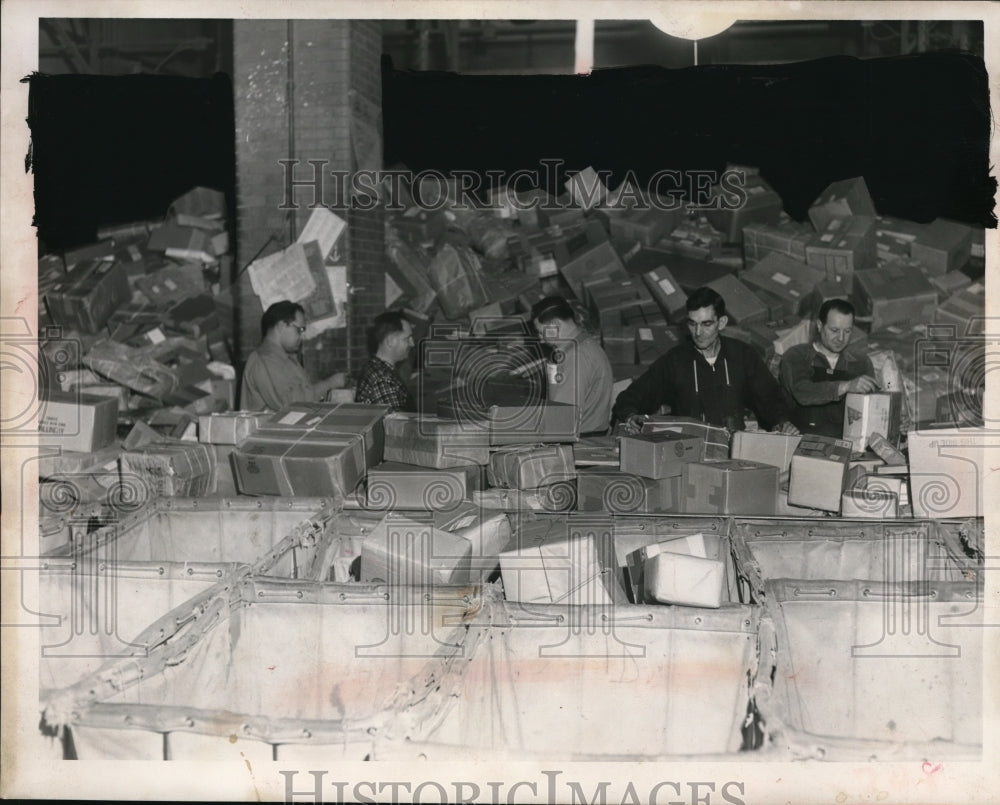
(420, 226)
(488, 532)
(85, 299)
(560, 497)
(633, 559)
(195, 316)
(844, 246)
(966, 310)
(326, 419)
(613, 491)
(673, 578)
(782, 283)
(454, 274)
(591, 263)
(619, 346)
(950, 283)
(865, 414)
(760, 205)
(666, 291)
(231, 427)
(732, 486)
(172, 284)
(546, 564)
(896, 293)
(951, 472)
(659, 455)
(775, 449)
(942, 246)
(743, 306)
(529, 466)
(527, 423)
(430, 441)
(654, 340)
(325, 465)
(403, 551)
(392, 485)
(81, 423)
(177, 469)
(714, 439)
(870, 496)
(818, 472)
(644, 226)
(841, 199)
(788, 239)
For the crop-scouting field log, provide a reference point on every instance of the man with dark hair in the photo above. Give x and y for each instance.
(272, 378)
(712, 378)
(389, 341)
(815, 377)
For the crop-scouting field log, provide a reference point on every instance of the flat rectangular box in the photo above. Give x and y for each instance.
(788, 239)
(85, 299)
(865, 414)
(732, 486)
(81, 423)
(966, 310)
(531, 466)
(430, 441)
(869, 496)
(528, 423)
(951, 472)
(818, 472)
(840, 199)
(654, 340)
(760, 205)
(593, 262)
(950, 283)
(231, 427)
(775, 449)
(545, 564)
(325, 465)
(392, 485)
(616, 492)
(786, 281)
(743, 306)
(659, 455)
(343, 419)
(673, 578)
(896, 293)
(666, 291)
(413, 553)
(714, 439)
(942, 246)
(643, 226)
(179, 469)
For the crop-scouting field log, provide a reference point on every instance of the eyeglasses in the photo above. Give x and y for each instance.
(301, 329)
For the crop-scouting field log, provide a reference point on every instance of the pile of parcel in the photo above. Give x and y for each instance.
(475, 578)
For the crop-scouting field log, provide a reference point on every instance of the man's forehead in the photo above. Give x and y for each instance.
(702, 314)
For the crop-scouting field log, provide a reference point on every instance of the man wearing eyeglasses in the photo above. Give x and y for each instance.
(273, 378)
(712, 378)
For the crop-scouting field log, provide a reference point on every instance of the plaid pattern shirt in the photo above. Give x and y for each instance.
(380, 384)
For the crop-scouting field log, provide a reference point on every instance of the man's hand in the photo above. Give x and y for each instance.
(633, 423)
(337, 381)
(787, 428)
(865, 384)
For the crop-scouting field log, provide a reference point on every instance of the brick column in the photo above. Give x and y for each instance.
(322, 71)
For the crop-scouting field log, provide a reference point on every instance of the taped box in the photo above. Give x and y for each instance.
(846, 245)
(666, 291)
(320, 465)
(613, 491)
(545, 563)
(230, 427)
(81, 423)
(659, 455)
(733, 486)
(413, 553)
(840, 199)
(528, 467)
(430, 441)
(786, 238)
(895, 293)
(342, 419)
(942, 246)
(743, 306)
(392, 485)
(782, 283)
(818, 472)
(865, 414)
(715, 439)
(488, 532)
(85, 299)
(673, 578)
(175, 469)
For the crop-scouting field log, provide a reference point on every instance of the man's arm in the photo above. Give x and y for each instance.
(646, 394)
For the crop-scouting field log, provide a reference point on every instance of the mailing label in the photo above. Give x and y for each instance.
(667, 286)
(826, 238)
(834, 224)
(756, 189)
(793, 292)
(976, 287)
(547, 266)
(292, 418)
(170, 284)
(783, 279)
(645, 334)
(156, 335)
(134, 253)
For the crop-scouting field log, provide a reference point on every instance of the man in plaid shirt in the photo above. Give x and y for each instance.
(389, 341)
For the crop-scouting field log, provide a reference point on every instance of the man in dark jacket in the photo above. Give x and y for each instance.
(815, 377)
(712, 378)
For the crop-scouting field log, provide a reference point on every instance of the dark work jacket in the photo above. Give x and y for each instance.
(811, 387)
(718, 395)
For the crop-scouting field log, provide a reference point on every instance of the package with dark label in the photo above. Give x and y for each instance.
(545, 563)
(818, 471)
(392, 485)
(610, 490)
(82, 423)
(659, 455)
(896, 293)
(85, 299)
(531, 466)
(841, 199)
(414, 553)
(733, 486)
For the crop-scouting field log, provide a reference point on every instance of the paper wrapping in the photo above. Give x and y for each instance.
(183, 469)
(312, 465)
(528, 467)
(454, 275)
(232, 427)
(430, 441)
